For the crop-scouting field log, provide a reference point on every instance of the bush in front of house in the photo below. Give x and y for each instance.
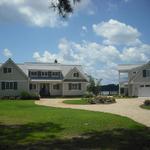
(101, 100)
(147, 102)
(27, 96)
(88, 95)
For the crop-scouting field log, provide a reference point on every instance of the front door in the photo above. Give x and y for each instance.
(44, 90)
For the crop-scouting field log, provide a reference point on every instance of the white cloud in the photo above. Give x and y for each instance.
(84, 28)
(84, 31)
(7, 53)
(91, 12)
(82, 5)
(115, 32)
(136, 54)
(46, 57)
(92, 56)
(97, 59)
(35, 13)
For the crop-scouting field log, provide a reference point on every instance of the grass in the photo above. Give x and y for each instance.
(24, 125)
(145, 107)
(77, 101)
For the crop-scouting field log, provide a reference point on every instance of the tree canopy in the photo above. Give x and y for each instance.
(93, 86)
(63, 7)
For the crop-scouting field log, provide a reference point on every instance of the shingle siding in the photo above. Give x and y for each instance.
(20, 74)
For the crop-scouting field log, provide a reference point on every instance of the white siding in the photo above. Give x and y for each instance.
(22, 86)
(15, 76)
(67, 92)
(56, 92)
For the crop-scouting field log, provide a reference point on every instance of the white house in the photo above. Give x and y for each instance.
(44, 79)
(134, 80)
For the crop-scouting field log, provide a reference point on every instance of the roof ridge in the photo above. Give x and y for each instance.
(54, 64)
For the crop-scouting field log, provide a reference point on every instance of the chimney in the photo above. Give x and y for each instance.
(55, 61)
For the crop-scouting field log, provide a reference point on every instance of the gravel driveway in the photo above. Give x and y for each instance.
(125, 107)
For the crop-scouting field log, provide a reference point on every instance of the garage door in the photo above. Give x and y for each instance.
(144, 91)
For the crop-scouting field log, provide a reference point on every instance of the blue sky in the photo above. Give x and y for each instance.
(99, 34)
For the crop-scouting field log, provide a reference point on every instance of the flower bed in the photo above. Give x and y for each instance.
(102, 100)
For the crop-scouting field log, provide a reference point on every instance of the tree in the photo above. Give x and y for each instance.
(63, 7)
(94, 87)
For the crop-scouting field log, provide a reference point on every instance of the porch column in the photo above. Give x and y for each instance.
(119, 82)
(38, 88)
(50, 88)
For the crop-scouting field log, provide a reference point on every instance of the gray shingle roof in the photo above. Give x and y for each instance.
(127, 67)
(48, 66)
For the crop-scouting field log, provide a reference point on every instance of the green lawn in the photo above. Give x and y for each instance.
(145, 107)
(77, 101)
(24, 125)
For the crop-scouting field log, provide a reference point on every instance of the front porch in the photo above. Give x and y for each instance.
(46, 89)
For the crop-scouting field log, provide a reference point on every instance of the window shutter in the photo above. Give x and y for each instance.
(29, 73)
(58, 87)
(9, 70)
(79, 86)
(69, 86)
(4, 70)
(3, 85)
(144, 73)
(30, 86)
(11, 85)
(7, 85)
(15, 85)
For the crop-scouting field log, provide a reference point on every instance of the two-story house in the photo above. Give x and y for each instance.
(44, 79)
(134, 80)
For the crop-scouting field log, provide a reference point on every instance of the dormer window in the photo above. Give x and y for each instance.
(146, 73)
(76, 74)
(7, 70)
(55, 74)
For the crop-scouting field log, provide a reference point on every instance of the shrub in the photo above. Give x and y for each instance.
(102, 100)
(88, 95)
(147, 102)
(28, 96)
(9, 97)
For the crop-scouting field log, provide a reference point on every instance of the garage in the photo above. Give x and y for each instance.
(144, 91)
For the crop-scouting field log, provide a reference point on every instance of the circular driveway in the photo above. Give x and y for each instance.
(124, 107)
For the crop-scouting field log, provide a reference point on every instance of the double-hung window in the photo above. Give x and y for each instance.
(9, 85)
(146, 73)
(75, 74)
(74, 86)
(56, 86)
(7, 70)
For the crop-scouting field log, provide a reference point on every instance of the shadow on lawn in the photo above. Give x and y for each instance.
(115, 139)
(21, 136)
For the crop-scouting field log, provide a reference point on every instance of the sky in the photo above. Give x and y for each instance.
(99, 35)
